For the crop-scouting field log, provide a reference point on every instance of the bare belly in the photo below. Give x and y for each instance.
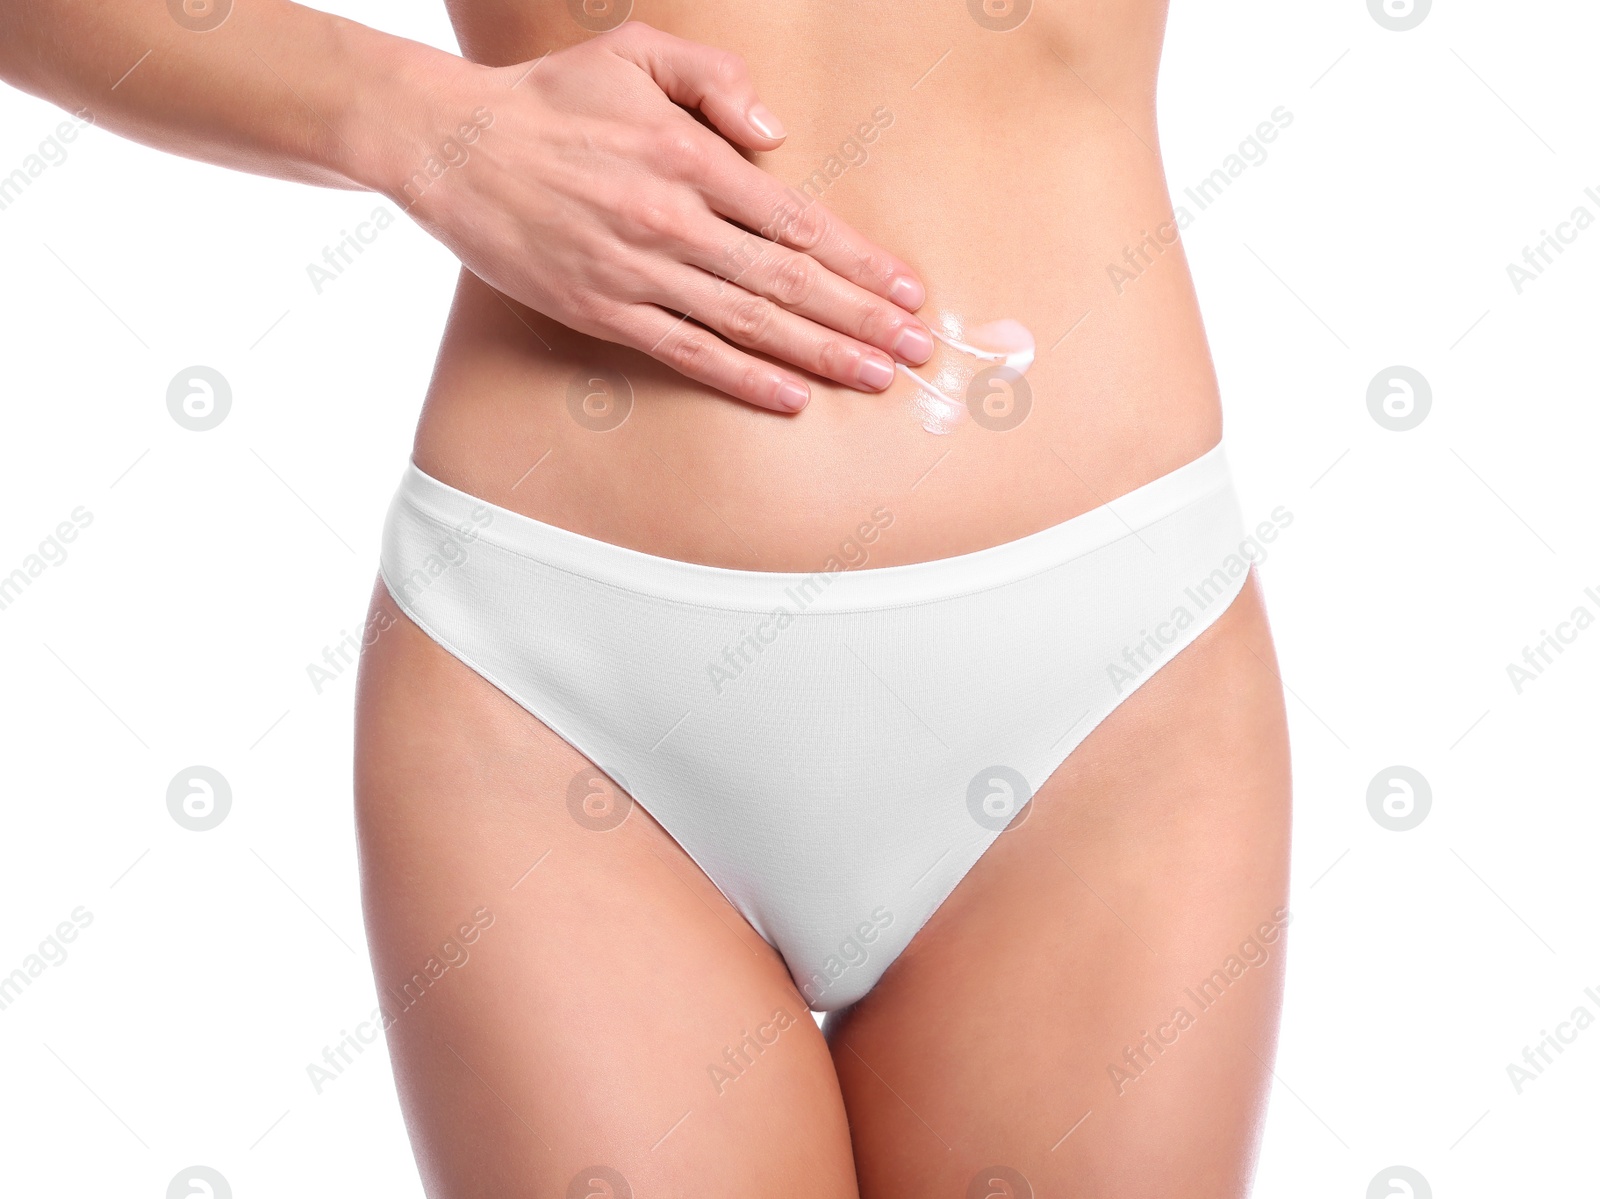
(1014, 183)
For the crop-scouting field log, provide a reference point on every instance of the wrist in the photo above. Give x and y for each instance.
(409, 117)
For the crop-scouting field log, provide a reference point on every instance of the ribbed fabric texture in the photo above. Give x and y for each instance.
(836, 750)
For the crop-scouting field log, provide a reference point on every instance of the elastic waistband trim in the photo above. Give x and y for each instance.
(846, 589)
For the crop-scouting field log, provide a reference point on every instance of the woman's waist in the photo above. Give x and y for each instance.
(1191, 508)
(1070, 366)
(606, 442)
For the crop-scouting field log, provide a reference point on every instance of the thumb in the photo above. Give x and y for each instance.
(716, 82)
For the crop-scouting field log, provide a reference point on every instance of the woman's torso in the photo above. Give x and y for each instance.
(1016, 171)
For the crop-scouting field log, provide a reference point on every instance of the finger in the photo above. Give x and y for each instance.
(716, 82)
(803, 286)
(757, 323)
(701, 355)
(744, 193)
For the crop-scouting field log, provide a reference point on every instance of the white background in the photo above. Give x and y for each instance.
(219, 565)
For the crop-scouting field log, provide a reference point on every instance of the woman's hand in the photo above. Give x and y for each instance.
(594, 197)
(590, 192)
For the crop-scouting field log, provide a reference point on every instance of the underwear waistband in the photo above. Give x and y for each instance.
(844, 589)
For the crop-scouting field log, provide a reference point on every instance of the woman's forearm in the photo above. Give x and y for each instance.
(599, 201)
(276, 88)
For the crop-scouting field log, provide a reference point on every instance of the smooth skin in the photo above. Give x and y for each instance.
(616, 1027)
(585, 1027)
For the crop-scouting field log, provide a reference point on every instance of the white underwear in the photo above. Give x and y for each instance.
(835, 750)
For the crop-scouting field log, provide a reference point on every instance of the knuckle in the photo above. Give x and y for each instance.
(594, 316)
(836, 360)
(870, 316)
(691, 353)
(659, 220)
(764, 256)
(752, 383)
(586, 304)
(684, 152)
(743, 256)
(729, 70)
(872, 265)
(781, 219)
(750, 319)
(794, 280)
(808, 226)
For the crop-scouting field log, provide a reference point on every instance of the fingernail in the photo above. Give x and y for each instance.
(907, 292)
(876, 373)
(766, 124)
(914, 345)
(792, 395)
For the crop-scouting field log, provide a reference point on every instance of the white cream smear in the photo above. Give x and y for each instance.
(1004, 343)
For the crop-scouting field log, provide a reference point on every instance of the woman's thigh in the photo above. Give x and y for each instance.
(1094, 1010)
(573, 1008)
